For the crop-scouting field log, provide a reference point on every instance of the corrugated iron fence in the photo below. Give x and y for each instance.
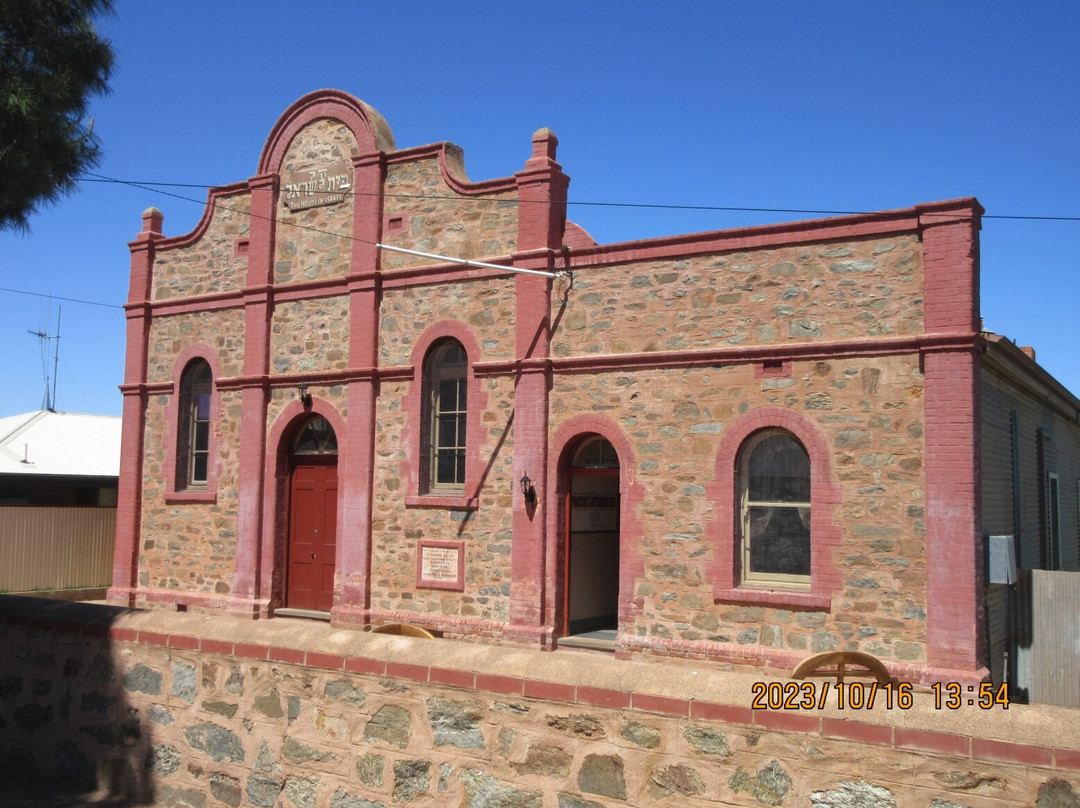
(55, 548)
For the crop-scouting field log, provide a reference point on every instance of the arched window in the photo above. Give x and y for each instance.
(445, 386)
(774, 501)
(193, 443)
(316, 437)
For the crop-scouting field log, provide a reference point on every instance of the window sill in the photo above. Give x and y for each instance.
(191, 496)
(772, 597)
(456, 503)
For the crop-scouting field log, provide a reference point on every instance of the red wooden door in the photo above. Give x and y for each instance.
(312, 537)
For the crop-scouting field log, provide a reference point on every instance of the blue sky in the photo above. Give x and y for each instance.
(838, 106)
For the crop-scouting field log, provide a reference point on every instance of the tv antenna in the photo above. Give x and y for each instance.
(50, 395)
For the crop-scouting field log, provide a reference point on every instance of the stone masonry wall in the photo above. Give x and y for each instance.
(211, 264)
(801, 293)
(203, 712)
(870, 414)
(434, 218)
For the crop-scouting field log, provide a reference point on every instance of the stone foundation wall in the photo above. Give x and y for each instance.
(201, 711)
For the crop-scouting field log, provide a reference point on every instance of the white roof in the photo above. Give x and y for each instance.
(64, 443)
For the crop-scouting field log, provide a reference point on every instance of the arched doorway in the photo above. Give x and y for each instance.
(591, 586)
(312, 543)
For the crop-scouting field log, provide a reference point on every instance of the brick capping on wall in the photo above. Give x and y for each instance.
(1034, 735)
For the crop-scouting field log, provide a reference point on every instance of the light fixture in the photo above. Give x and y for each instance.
(528, 490)
(303, 395)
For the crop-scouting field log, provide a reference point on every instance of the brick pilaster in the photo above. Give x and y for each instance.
(129, 495)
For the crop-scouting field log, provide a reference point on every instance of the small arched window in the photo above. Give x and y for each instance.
(316, 437)
(774, 501)
(445, 387)
(193, 444)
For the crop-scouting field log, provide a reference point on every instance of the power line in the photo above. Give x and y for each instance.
(58, 297)
(154, 187)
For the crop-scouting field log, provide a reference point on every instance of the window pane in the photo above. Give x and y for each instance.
(202, 406)
(202, 436)
(780, 540)
(447, 437)
(450, 467)
(198, 468)
(779, 471)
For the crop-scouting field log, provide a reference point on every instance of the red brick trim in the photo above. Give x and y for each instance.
(213, 196)
(631, 493)
(173, 416)
(825, 533)
(906, 738)
(878, 734)
(493, 683)
(603, 697)
(728, 713)
(787, 722)
(412, 403)
(664, 705)
(1027, 754)
(273, 547)
(368, 127)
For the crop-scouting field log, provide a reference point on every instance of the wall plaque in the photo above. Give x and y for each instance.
(440, 565)
(315, 187)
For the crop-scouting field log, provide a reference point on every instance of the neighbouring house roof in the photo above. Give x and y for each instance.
(60, 443)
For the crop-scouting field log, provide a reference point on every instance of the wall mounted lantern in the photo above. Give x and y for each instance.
(528, 490)
(303, 395)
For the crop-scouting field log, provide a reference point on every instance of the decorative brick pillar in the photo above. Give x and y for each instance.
(248, 597)
(955, 598)
(541, 220)
(356, 467)
(129, 495)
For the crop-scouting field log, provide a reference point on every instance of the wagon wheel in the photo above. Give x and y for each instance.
(838, 664)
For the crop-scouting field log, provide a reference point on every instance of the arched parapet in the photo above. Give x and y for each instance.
(370, 129)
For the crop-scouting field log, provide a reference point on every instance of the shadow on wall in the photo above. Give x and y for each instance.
(66, 730)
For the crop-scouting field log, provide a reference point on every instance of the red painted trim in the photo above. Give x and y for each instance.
(154, 638)
(603, 697)
(213, 195)
(550, 691)
(955, 612)
(787, 722)
(293, 656)
(183, 643)
(272, 552)
(173, 416)
(363, 665)
(412, 404)
(330, 662)
(631, 494)
(664, 705)
(880, 734)
(1026, 754)
(222, 647)
(728, 713)
(907, 738)
(453, 678)
(507, 685)
(368, 127)
(839, 228)
(1067, 759)
(825, 575)
(405, 670)
(459, 185)
(250, 650)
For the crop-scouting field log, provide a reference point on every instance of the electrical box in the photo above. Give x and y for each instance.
(1001, 554)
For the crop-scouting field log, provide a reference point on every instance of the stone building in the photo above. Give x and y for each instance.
(747, 445)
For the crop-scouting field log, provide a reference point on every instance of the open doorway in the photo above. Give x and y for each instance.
(591, 587)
